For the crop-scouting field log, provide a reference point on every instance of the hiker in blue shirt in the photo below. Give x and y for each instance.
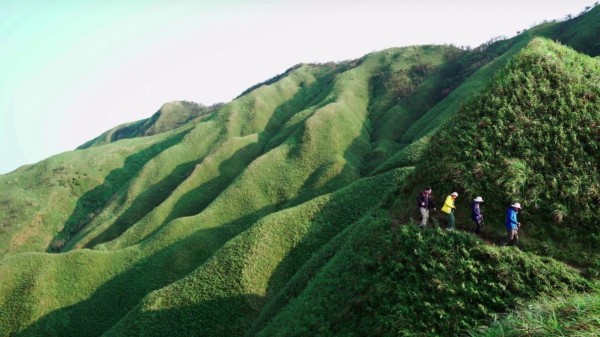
(476, 214)
(512, 224)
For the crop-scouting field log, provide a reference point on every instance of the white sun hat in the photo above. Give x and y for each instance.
(516, 205)
(454, 194)
(478, 199)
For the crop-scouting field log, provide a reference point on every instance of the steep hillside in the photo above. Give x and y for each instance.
(272, 214)
(557, 316)
(582, 33)
(475, 68)
(276, 164)
(412, 283)
(260, 154)
(533, 136)
(250, 270)
(66, 191)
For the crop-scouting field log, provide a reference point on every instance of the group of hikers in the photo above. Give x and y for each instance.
(425, 204)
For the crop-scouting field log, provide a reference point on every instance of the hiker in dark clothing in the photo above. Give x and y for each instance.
(476, 214)
(512, 224)
(425, 203)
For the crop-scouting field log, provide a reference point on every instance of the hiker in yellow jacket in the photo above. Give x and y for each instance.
(449, 208)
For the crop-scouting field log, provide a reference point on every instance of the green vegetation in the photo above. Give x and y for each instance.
(531, 137)
(65, 192)
(577, 315)
(409, 282)
(169, 117)
(287, 211)
(253, 267)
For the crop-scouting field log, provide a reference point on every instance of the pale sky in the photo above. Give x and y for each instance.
(72, 69)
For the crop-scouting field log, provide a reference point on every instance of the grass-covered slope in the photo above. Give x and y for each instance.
(407, 282)
(247, 172)
(84, 286)
(186, 179)
(282, 144)
(577, 315)
(169, 117)
(533, 136)
(226, 294)
(582, 33)
(265, 217)
(466, 76)
(65, 191)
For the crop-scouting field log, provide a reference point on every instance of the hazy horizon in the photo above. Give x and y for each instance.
(72, 70)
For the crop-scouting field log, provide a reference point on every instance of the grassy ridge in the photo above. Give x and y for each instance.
(466, 76)
(175, 260)
(251, 268)
(532, 137)
(213, 148)
(582, 33)
(298, 168)
(458, 80)
(413, 283)
(168, 249)
(232, 224)
(169, 117)
(66, 191)
(402, 93)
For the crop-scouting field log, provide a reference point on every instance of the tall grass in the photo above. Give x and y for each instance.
(408, 282)
(532, 137)
(577, 315)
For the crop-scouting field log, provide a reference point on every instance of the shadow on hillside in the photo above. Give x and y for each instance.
(337, 215)
(196, 320)
(116, 297)
(326, 225)
(315, 185)
(91, 203)
(145, 203)
(197, 199)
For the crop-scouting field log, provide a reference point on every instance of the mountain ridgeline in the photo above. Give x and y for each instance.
(170, 116)
(289, 211)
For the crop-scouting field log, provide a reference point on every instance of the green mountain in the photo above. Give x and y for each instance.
(290, 210)
(170, 116)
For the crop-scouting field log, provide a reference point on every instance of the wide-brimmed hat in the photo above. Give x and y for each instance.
(478, 199)
(454, 194)
(516, 205)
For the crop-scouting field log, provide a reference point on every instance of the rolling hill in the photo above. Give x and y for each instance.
(170, 116)
(288, 211)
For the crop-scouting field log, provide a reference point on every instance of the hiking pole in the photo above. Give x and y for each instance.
(519, 230)
(482, 230)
